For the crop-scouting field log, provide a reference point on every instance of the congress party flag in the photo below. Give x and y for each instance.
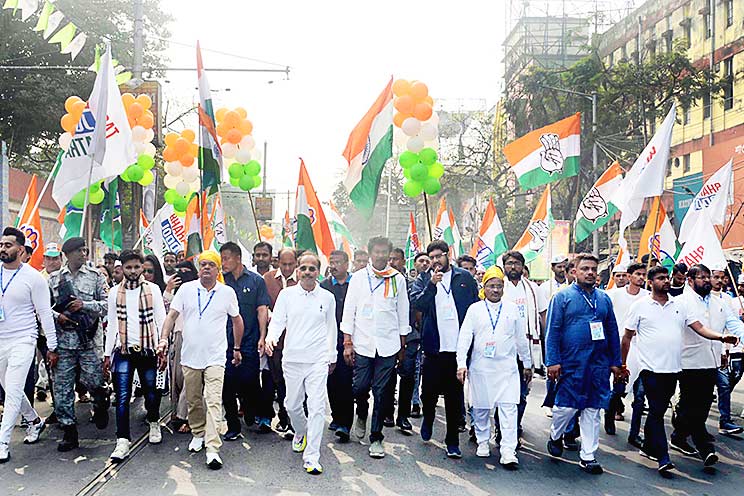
(714, 198)
(210, 153)
(658, 236)
(313, 232)
(537, 234)
(445, 229)
(491, 241)
(29, 223)
(596, 209)
(413, 244)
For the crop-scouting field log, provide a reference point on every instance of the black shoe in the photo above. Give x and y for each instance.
(710, 459)
(591, 467)
(416, 411)
(405, 426)
(683, 447)
(570, 444)
(636, 441)
(610, 424)
(471, 436)
(665, 469)
(69, 439)
(342, 433)
(555, 448)
(388, 422)
(646, 454)
(232, 436)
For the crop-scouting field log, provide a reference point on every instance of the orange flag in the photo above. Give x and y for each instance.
(31, 226)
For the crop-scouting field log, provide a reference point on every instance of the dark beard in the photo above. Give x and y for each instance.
(6, 258)
(704, 290)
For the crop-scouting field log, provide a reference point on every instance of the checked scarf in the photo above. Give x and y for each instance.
(146, 314)
(388, 273)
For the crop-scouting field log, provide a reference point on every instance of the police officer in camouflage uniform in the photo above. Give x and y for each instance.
(79, 292)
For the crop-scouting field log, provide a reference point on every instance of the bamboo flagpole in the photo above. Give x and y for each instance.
(428, 217)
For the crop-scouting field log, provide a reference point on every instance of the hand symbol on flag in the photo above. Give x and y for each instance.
(539, 231)
(593, 207)
(551, 158)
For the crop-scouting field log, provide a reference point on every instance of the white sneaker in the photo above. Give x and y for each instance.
(121, 451)
(155, 435)
(33, 431)
(214, 461)
(196, 444)
(483, 451)
(4, 452)
(377, 450)
(360, 428)
(509, 461)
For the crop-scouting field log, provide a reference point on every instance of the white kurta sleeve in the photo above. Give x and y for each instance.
(278, 321)
(332, 329)
(523, 345)
(404, 326)
(465, 338)
(348, 320)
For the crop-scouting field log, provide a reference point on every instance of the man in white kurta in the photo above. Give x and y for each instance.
(491, 337)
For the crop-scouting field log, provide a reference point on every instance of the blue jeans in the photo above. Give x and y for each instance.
(639, 400)
(659, 390)
(727, 381)
(122, 371)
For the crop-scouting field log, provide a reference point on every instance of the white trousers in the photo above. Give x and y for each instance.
(307, 379)
(588, 424)
(507, 426)
(16, 356)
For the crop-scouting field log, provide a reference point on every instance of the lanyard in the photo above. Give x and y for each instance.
(592, 304)
(498, 315)
(445, 288)
(211, 295)
(369, 280)
(5, 287)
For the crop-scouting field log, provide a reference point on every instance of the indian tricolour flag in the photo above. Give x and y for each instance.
(537, 234)
(341, 235)
(370, 145)
(658, 236)
(287, 231)
(413, 244)
(446, 229)
(596, 209)
(547, 154)
(491, 241)
(210, 153)
(313, 232)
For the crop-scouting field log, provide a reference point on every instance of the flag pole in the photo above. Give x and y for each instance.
(86, 204)
(253, 211)
(428, 217)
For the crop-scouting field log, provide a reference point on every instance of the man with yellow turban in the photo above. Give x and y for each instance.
(491, 337)
(205, 304)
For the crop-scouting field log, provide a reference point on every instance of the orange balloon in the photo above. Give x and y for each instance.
(78, 108)
(419, 91)
(170, 154)
(194, 149)
(398, 118)
(132, 121)
(234, 136)
(429, 100)
(422, 111)
(241, 112)
(220, 114)
(69, 123)
(401, 87)
(170, 140)
(222, 129)
(146, 121)
(232, 119)
(70, 102)
(188, 135)
(404, 104)
(145, 101)
(186, 159)
(181, 146)
(246, 127)
(127, 99)
(135, 110)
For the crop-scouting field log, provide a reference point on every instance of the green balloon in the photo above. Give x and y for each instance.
(407, 173)
(97, 197)
(180, 204)
(147, 178)
(412, 188)
(125, 175)
(78, 201)
(256, 181)
(432, 186)
(146, 161)
(246, 183)
(419, 172)
(407, 159)
(171, 195)
(436, 170)
(95, 187)
(135, 173)
(235, 181)
(235, 170)
(428, 156)
(252, 168)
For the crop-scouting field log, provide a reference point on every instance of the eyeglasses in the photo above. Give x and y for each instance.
(149, 271)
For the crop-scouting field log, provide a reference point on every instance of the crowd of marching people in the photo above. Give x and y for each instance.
(268, 344)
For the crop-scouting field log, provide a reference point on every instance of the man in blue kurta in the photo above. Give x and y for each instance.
(582, 347)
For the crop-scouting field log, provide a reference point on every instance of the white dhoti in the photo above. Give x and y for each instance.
(307, 379)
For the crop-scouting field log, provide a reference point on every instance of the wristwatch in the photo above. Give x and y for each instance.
(236, 349)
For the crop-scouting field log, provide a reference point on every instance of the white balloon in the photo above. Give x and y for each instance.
(428, 131)
(182, 188)
(243, 156)
(173, 168)
(64, 140)
(139, 147)
(248, 142)
(415, 144)
(139, 133)
(150, 149)
(149, 135)
(434, 119)
(411, 126)
(190, 173)
(195, 185)
(229, 150)
(170, 181)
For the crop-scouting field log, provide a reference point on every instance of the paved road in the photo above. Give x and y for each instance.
(265, 464)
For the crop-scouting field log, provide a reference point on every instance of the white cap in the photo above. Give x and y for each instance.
(558, 259)
(718, 267)
(620, 268)
(117, 263)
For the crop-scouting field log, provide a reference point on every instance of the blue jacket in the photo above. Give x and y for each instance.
(464, 291)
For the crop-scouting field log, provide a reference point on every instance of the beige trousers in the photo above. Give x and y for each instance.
(204, 396)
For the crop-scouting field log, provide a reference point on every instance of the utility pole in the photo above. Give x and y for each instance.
(264, 169)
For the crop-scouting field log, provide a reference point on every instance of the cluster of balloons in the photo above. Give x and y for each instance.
(74, 107)
(181, 172)
(234, 130)
(416, 119)
(95, 197)
(141, 120)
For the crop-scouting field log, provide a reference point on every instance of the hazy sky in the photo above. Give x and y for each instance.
(341, 55)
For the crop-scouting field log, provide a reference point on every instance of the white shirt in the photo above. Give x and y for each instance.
(447, 321)
(205, 336)
(621, 302)
(375, 321)
(659, 330)
(530, 301)
(551, 287)
(26, 295)
(133, 323)
(310, 322)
